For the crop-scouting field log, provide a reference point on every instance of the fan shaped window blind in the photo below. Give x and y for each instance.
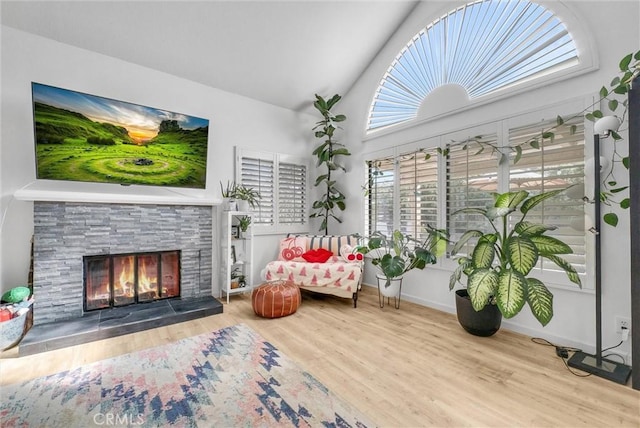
(482, 46)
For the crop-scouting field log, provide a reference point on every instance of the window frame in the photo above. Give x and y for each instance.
(501, 128)
(581, 37)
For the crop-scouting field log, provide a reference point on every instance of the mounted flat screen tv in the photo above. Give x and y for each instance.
(82, 137)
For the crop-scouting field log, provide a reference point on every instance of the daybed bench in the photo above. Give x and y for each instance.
(323, 264)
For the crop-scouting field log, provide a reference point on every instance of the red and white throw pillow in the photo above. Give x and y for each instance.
(349, 254)
(292, 249)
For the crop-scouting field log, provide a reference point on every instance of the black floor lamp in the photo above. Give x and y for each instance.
(596, 364)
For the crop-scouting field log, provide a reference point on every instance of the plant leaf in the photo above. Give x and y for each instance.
(483, 254)
(535, 200)
(511, 199)
(540, 300)
(525, 228)
(481, 285)
(619, 189)
(522, 254)
(341, 151)
(566, 266)
(518, 154)
(471, 210)
(463, 264)
(511, 292)
(624, 63)
(611, 219)
(547, 245)
(463, 240)
(625, 203)
(392, 266)
(604, 92)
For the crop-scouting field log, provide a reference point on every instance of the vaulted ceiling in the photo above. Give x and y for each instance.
(278, 52)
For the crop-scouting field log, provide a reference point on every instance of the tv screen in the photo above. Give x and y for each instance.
(82, 137)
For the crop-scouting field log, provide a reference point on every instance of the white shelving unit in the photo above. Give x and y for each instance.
(236, 254)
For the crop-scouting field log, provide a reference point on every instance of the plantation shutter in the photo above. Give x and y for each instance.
(380, 186)
(418, 187)
(292, 195)
(558, 163)
(472, 175)
(259, 174)
(282, 182)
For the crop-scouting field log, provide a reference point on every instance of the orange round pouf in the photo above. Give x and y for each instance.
(276, 299)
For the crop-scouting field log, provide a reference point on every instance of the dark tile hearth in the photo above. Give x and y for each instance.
(115, 322)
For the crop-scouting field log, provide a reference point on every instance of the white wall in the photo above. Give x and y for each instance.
(234, 121)
(612, 37)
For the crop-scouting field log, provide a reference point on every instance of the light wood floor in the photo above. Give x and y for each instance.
(411, 367)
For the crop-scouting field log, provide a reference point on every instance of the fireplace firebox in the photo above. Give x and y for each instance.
(115, 280)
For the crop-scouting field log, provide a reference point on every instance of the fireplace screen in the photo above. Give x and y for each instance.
(124, 279)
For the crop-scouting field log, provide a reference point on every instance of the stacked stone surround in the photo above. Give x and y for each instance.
(64, 232)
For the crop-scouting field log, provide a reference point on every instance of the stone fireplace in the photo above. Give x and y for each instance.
(70, 235)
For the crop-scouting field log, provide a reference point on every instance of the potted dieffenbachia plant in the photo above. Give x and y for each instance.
(499, 265)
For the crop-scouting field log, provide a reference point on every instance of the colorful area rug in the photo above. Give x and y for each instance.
(229, 378)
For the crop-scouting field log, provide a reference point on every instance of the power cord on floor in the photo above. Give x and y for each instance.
(613, 354)
(562, 352)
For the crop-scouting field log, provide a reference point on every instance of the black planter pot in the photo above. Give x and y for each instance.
(483, 323)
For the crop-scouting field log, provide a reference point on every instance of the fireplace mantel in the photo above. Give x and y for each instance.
(55, 191)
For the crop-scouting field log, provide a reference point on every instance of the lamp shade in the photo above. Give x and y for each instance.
(606, 124)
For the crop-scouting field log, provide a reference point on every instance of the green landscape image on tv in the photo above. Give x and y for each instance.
(82, 137)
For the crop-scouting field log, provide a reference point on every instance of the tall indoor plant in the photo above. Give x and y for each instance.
(327, 154)
(498, 264)
(400, 253)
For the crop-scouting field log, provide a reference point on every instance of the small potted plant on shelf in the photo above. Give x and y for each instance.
(229, 196)
(497, 265)
(243, 223)
(247, 197)
(399, 253)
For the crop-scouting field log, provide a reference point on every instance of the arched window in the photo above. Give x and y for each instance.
(481, 47)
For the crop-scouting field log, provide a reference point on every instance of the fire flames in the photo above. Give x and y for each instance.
(136, 279)
(147, 282)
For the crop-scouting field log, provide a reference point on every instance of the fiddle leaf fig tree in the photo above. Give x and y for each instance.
(327, 154)
(498, 265)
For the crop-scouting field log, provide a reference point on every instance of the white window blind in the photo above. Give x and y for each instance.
(558, 163)
(292, 194)
(380, 189)
(472, 175)
(282, 182)
(259, 174)
(418, 191)
(408, 182)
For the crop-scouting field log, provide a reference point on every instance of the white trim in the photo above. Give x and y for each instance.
(52, 191)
